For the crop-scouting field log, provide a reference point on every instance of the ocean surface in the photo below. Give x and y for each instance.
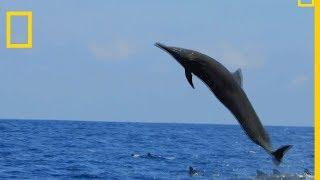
(88, 150)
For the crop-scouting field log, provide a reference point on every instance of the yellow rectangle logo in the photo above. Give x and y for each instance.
(306, 4)
(9, 16)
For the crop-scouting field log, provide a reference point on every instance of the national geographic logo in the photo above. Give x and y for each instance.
(306, 4)
(9, 20)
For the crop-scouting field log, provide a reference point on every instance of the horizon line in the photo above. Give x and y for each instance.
(148, 122)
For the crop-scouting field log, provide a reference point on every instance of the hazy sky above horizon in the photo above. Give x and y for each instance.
(95, 60)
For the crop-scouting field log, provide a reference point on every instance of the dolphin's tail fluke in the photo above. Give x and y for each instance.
(279, 153)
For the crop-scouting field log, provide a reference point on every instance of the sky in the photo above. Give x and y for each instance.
(96, 60)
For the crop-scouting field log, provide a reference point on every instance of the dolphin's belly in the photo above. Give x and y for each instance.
(238, 103)
(233, 97)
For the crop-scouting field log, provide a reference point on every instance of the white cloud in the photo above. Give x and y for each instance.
(300, 80)
(242, 57)
(111, 51)
(238, 57)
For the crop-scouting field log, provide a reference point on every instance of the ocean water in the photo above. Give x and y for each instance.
(89, 150)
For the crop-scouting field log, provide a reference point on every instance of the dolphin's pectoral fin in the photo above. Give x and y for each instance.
(189, 77)
(238, 76)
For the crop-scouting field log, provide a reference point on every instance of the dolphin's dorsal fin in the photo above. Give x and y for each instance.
(189, 77)
(237, 75)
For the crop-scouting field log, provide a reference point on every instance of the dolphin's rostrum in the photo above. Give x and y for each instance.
(227, 87)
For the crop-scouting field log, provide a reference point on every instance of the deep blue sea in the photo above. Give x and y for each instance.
(88, 150)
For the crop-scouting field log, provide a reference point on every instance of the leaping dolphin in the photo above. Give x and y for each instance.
(227, 87)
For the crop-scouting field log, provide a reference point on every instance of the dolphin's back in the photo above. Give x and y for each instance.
(222, 83)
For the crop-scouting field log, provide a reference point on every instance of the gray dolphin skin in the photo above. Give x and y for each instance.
(227, 87)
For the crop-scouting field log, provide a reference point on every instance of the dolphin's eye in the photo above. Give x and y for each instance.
(192, 56)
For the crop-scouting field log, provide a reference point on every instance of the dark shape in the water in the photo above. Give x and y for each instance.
(276, 172)
(260, 173)
(152, 156)
(227, 87)
(135, 155)
(192, 172)
(307, 172)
